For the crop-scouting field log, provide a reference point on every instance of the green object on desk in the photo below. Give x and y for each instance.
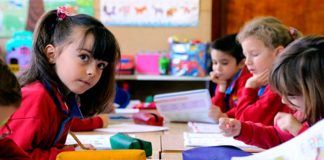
(123, 141)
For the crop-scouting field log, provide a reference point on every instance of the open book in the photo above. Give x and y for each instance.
(185, 106)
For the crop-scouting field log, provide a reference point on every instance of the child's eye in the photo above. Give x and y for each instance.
(84, 57)
(102, 66)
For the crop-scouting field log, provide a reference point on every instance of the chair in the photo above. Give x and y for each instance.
(130, 154)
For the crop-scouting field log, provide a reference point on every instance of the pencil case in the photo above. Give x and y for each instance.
(123, 141)
(148, 119)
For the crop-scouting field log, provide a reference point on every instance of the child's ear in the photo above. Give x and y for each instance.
(279, 50)
(50, 53)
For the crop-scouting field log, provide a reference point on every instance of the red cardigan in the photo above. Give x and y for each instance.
(219, 97)
(37, 121)
(10, 150)
(86, 124)
(263, 136)
(261, 109)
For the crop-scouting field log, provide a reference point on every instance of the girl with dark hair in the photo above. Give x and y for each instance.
(72, 74)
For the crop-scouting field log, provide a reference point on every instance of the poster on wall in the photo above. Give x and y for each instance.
(80, 6)
(150, 13)
(14, 13)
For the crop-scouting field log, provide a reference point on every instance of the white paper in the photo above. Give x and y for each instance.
(100, 142)
(204, 127)
(130, 128)
(185, 106)
(308, 145)
(213, 139)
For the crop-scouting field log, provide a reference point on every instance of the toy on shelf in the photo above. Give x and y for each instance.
(147, 63)
(18, 51)
(126, 65)
(188, 58)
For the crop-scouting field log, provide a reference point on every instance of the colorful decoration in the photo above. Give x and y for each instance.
(156, 13)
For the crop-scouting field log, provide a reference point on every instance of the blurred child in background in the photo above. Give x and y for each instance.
(230, 75)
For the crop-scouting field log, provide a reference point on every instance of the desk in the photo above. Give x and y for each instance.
(166, 145)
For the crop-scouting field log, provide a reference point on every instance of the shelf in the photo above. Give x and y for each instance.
(160, 78)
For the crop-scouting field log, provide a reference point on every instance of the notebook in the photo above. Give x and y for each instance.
(185, 106)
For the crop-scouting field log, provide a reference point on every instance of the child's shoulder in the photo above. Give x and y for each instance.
(35, 90)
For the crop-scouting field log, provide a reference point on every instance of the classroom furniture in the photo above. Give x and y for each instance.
(103, 155)
(141, 86)
(166, 145)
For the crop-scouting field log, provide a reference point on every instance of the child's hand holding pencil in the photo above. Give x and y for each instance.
(81, 146)
(230, 127)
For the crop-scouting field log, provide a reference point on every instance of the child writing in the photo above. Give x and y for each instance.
(229, 73)
(298, 76)
(10, 98)
(73, 63)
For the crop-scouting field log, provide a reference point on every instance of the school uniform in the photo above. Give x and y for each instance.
(259, 105)
(227, 101)
(41, 124)
(86, 124)
(10, 150)
(265, 136)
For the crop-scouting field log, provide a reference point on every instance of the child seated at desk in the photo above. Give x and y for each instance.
(298, 76)
(230, 75)
(262, 40)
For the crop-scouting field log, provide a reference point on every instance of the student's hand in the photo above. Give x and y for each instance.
(221, 83)
(258, 80)
(215, 113)
(287, 122)
(105, 120)
(230, 127)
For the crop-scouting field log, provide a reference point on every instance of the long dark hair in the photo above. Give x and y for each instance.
(299, 71)
(51, 30)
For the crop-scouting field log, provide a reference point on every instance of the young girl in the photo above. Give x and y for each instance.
(229, 73)
(73, 63)
(10, 98)
(298, 76)
(262, 39)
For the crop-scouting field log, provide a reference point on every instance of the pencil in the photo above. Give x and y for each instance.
(78, 141)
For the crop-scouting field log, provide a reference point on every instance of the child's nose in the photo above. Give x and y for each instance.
(92, 69)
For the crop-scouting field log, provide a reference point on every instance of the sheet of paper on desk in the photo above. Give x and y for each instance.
(204, 127)
(185, 106)
(214, 139)
(130, 128)
(100, 142)
(308, 145)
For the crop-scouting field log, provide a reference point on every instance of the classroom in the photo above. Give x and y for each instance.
(161, 79)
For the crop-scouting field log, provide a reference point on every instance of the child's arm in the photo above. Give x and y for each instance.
(215, 113)
(287, 122)
(219, 98)
(89, 124)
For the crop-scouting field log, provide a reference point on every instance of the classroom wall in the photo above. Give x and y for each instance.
(134, 39)
(305, 15)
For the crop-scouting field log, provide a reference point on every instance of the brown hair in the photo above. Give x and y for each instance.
(10, 93)
(298, 71)
(52, 30)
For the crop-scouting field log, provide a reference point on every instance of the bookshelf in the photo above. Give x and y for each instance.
(141, 86)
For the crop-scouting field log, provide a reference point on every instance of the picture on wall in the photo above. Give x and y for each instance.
(150, 13)
(17, 15)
